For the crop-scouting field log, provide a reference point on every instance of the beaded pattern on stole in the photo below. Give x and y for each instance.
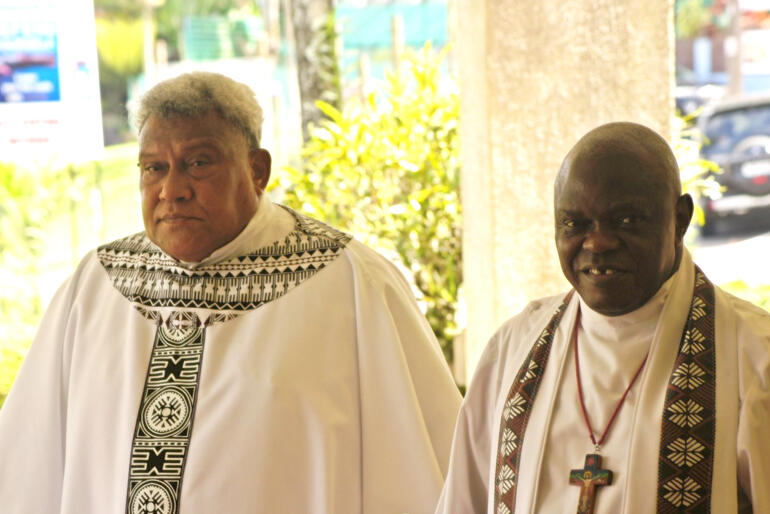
(687, 438)
(518, 405)
(164, 423)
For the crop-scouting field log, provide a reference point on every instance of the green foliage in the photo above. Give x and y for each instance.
(756, 294)
(691, 17)
(323, 50)
(222, 7)
(694, 17)
(694, 171)
(120, 43)
(31, 202)
(118, 8)
(26, 203)
(386, 169)
(169, 16)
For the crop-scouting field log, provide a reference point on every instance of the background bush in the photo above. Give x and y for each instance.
(385, 168)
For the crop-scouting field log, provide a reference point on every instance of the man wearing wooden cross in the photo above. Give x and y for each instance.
(647, 391)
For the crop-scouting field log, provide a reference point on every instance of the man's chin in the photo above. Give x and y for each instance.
(609, 301)
(180, 249)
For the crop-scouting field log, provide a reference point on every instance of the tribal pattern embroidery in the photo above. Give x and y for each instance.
(687, 439)
(164, 424)
(151, 279)
(516, 410)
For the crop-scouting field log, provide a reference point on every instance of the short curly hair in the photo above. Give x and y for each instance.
(196, 93)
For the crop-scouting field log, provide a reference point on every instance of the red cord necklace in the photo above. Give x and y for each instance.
(592, 476)
(597, 444)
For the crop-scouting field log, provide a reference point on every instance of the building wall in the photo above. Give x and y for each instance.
(534, 77)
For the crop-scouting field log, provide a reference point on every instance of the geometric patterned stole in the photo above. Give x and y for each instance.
(687, 440)
(165, 419)
(686, 462)
(516, 411)
(154, 283)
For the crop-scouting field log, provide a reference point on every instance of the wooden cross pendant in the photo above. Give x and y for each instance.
(589, 478)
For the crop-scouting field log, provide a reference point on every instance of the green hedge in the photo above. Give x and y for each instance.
(386, 169)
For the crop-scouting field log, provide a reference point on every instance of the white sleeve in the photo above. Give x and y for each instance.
(409, 400)
(467, 485)
(753, 444)
(33, 418)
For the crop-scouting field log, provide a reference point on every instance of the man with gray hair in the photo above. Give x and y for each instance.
(235, 357)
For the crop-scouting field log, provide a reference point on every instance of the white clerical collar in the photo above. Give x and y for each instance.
(269, 224)
(647, 313)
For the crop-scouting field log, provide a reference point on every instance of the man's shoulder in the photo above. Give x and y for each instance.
(521, 330)
(316, 229)
(533, 317)
(378, 270)
(745, 313)
(369, 261)
(508, 346)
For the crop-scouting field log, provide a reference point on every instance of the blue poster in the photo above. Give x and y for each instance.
(29, 63)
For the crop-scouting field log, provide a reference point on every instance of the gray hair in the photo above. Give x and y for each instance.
(194, 94)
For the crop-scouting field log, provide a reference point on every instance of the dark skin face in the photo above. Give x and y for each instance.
(200, 183)
(619, 218)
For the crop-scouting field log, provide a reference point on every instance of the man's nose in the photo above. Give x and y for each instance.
(600, 239)
(176, 185)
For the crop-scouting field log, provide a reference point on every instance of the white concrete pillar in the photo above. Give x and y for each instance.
(534, 77)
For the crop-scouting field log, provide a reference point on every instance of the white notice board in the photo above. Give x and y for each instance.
(50, 109)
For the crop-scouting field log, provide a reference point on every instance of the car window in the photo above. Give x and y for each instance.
(724, 130)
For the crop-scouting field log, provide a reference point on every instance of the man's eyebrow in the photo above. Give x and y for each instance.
(628, 206)
(192, 144)
(611, 210)
(210, 142)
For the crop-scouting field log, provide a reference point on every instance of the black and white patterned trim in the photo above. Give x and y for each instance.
(165, 419)
(151, 279)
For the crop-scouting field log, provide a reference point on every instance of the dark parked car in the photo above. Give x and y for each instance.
(737, 137)
(688, 99)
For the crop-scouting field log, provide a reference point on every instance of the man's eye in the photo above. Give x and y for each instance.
(150, 168)
(197, 163)
(570, 223)
(628, 220)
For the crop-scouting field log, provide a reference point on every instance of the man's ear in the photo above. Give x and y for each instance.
(684, 209)
(260, 162)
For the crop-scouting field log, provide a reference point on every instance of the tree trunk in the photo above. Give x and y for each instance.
(317, 68)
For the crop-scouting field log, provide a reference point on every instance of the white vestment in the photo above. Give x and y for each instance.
(557, 441)
(321, 388)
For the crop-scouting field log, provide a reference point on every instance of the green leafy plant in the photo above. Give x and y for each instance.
(26, 202)
(694, 171)
(37, 207)
(758, 294)
(693, 18)
(386, 169)
(120, 44)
